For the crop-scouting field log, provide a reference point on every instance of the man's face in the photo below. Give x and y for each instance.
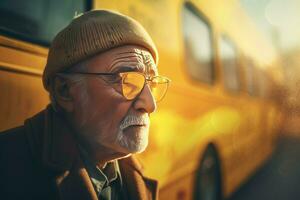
(104, 117)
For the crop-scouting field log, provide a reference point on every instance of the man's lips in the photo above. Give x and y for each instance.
(134, 121)
(135, 126)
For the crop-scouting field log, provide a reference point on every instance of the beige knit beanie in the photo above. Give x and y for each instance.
(92, 33)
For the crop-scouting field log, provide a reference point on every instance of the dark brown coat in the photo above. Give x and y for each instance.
(40, 161)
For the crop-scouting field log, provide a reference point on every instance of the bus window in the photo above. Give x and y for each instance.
(249, 75)
(262, 84)
(198, 45)
(228, 55)
(37, 21)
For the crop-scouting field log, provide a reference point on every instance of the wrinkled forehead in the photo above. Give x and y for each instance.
(135, 57)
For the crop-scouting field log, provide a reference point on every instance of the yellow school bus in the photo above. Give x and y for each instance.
(219, 120)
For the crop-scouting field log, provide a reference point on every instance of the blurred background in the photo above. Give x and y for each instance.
(229, 125)
(279, 21)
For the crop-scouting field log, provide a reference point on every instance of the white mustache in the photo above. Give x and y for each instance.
(134, 120)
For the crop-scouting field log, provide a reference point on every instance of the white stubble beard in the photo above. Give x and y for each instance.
(136, 142)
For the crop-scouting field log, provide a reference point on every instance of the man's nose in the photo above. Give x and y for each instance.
(145, 102)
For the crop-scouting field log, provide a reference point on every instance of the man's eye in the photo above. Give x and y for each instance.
(115, 78)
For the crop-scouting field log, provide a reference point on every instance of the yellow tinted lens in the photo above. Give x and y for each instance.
(159, 86)
(132, 84)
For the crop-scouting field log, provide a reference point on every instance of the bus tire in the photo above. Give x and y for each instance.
(208, 177)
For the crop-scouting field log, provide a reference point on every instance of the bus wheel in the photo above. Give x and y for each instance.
(208, 177)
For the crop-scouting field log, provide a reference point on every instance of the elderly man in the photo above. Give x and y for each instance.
(103, 83)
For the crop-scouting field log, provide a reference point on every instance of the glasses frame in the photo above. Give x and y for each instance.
(147, 79)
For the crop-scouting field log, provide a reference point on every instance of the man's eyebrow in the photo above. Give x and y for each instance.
(124, 69)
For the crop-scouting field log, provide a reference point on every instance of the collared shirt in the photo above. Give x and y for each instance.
(107, 181)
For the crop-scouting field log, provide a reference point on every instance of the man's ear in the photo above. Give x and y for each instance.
(62, 93)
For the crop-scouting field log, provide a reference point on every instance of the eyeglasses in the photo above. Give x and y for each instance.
(133, 83)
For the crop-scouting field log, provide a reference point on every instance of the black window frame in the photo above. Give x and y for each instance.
(204, 20)
(238, 72)
(18, 36)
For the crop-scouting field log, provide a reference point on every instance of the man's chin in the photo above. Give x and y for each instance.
(132, 148)
(126, 150)
(133, 139)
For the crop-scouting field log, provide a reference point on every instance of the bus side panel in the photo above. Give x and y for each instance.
(22, 93)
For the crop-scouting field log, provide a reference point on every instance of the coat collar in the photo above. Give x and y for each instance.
(60, 149)
(60, 153)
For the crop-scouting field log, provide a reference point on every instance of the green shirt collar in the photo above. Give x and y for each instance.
(101, 177)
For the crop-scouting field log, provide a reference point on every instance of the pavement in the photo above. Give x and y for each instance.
(279, 178)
